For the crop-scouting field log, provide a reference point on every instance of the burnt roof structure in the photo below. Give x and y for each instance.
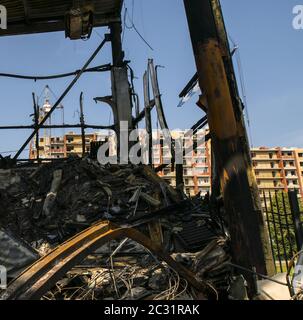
(37, 16)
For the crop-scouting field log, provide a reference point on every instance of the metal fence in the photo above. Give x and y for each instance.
(284, 218)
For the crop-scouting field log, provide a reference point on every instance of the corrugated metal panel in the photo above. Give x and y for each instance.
(15, 254)
(194, 236)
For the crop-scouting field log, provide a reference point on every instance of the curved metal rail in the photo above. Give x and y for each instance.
(35, 281)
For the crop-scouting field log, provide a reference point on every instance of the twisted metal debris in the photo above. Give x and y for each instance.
(180, 250)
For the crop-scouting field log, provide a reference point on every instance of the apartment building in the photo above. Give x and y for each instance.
(275, 168)
(196, 163)
(278, 169)
(62, 147)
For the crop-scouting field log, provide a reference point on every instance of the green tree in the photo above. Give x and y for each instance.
(281, 226)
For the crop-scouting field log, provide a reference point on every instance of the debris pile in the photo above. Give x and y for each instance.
(56, 200)
(48, 204)
(135, 274)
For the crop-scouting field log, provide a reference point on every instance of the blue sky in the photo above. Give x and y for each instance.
(271, 54)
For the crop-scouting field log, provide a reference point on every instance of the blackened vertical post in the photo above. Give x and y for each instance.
(179, 177)
(36, 120)
(296, 214)
(233, 165)
(117, 51)
(120, 86)
(148, 121)
(82, 122)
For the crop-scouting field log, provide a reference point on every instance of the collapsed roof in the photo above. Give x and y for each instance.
(37, 16)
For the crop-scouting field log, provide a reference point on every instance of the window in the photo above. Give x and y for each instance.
(167, 153)
(300, 155)
(271, 155)
(41, 139)
(200, 170)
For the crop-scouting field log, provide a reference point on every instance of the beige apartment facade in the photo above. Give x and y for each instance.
(278, 169)
(62, 147)
(196, 163)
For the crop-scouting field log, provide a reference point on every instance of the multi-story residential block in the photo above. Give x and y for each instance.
(68, 145)
(278, 169)
(275, 168)
(196, 163)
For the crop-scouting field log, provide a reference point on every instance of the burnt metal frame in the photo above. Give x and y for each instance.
(66, 91)
(40, 125)
(120, 101)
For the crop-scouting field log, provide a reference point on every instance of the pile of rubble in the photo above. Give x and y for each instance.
(134, 274)
(43, 206)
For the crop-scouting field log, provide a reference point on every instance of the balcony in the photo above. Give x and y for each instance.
(293, 186)
(257, 168)
(271, 187)
(61, 150)
(268, 177)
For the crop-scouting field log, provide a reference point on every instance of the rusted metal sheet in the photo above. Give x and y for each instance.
(33, 283)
